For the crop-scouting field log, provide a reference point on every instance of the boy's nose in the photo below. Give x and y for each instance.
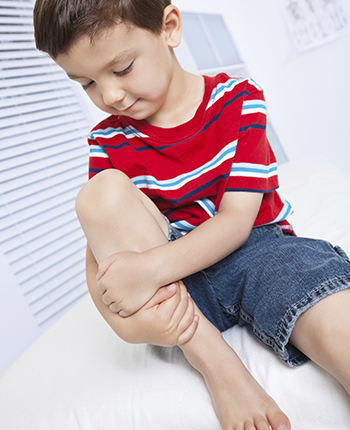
(112, 96)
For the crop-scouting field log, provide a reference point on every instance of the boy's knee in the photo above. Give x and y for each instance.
(105, 191)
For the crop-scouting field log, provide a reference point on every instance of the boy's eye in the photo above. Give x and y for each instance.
(87, 86)
(125, 71)
(121, 73)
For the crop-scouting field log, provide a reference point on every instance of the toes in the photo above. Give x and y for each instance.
(261, 423)
(278, 420)
(249, 426)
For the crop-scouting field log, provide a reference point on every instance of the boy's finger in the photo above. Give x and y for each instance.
(182, 305)
(175, 307)
(187, 318)
(162, 295)
(187, 335)
(104, 266)
(100, 288)
(102, 269)
(106, 299)
(113, 307)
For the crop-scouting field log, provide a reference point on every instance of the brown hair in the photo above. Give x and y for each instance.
(58, 22)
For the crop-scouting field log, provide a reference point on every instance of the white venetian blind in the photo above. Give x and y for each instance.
(43, 164)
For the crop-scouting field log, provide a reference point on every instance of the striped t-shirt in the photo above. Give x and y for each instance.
(185, 170)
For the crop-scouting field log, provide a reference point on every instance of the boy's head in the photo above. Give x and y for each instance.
(58, 23)
(121, 54)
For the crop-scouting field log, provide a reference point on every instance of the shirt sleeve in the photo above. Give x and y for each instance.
(98, 157)
(254, 166)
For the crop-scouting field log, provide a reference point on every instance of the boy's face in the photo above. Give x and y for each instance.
(125, 71)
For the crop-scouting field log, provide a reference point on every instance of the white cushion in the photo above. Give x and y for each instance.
(81, 376)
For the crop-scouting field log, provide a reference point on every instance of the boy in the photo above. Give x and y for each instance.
(208, 212)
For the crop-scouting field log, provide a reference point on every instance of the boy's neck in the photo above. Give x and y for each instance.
(185, 95)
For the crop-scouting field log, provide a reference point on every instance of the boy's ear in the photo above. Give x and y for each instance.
(172, 25)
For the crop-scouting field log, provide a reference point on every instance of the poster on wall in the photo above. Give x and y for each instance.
(314, 22)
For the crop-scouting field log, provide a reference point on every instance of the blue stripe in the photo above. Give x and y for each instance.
(140, 149)
(284, 212)
(222, 87)
(251, 190)
(198, 190)
(228, 87)
(253, 126)
(253, 106)
(168, 212)
(205, 127)
(183, 225)
(185, 178)
(209, 205)
(93, 170)
(225, 105)
(254, 170)
(288, 209)
(110, 130)
(97, 150)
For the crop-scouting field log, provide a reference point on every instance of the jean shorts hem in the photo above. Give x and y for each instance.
(289, 354)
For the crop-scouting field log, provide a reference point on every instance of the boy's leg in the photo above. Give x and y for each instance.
(323, 334)
(116, 216)
(239, 401)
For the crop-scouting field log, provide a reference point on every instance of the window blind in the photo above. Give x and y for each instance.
(43, 164)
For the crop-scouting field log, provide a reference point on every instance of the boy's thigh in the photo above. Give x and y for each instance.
(220, 289)
(270, 281)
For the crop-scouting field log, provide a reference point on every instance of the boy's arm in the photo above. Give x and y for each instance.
(167, 319)
(207, 244)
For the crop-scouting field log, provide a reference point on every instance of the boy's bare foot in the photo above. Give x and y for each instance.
(239, 401)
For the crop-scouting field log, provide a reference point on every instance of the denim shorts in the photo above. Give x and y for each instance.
(267, 284)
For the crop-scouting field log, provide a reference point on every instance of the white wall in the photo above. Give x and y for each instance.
(308, 94)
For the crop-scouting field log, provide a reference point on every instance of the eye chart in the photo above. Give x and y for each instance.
(314, 22)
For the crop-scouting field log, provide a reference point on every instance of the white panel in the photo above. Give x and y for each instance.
(222, 39)
(198, 42)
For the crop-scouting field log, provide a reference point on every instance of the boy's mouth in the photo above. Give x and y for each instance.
(130, 107)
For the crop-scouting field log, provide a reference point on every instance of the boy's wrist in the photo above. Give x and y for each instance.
(157, 264)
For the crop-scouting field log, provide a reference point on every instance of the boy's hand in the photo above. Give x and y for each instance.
(125, 282)
(168, 319)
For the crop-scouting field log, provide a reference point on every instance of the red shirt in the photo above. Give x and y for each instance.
(185, 170)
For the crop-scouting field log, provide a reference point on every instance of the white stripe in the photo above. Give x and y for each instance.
(254, 106)
(97, 152)
(254, 110)
(285, 212)
(208, 206)
(248, 103)
(228, 86)
(150, 182)
(253, 170)
(287, 227)
(109, 132)
(183, 225)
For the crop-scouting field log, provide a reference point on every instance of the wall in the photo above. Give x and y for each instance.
(307, 93)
